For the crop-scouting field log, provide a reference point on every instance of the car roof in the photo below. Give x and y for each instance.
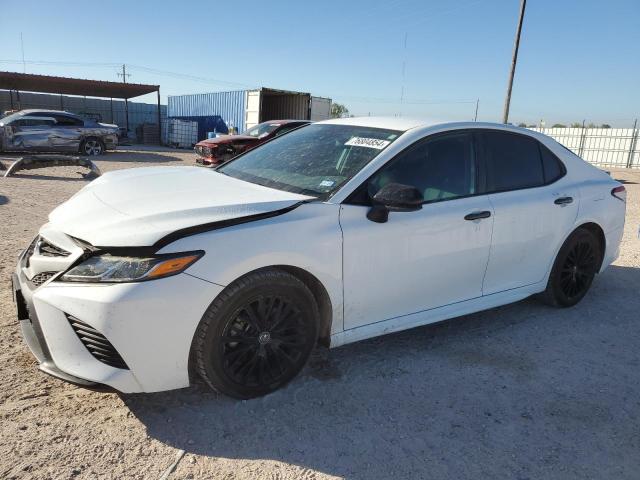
(391, 123)
(406, 123)
(284, 122)
(44, 110)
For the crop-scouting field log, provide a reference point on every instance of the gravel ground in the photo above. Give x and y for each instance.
(522, 391)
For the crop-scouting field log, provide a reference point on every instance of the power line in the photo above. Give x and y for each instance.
(190, 77)
(63, 64)
(405, 101)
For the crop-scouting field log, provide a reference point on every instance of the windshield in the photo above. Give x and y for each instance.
(261, 130)
(315, 160)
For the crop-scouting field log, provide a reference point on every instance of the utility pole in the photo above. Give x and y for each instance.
(404, 65)
(507, 101)
(124, 73)
(24, 64)
(475, 117)
(124, 76)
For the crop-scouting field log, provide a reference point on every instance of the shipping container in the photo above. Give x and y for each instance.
(242, 109)
(320, 109)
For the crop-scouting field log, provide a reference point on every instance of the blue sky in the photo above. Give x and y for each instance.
(578, 59)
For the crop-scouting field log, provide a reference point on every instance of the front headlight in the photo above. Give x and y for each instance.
(115, 269)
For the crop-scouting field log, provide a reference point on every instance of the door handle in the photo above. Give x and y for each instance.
(563, 200)
(477, 215)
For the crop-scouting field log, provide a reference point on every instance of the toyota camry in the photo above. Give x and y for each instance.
(343, 230)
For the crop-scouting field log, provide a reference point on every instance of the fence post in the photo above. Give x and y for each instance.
(634, 140)
(582, 138)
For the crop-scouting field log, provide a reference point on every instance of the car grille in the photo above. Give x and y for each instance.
(41, 278)
(97, 344)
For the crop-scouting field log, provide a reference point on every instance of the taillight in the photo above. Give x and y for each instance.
(620, 193)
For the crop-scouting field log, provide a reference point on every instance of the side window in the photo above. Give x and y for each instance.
(553, 168)
(512, 161)
(34, 122)
(65, 121)
(442, 168)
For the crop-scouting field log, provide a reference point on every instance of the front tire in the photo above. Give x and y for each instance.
(92, 146)
(573, 270)
(257, 335)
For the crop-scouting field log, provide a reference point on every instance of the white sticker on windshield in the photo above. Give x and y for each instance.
(327, 183)
(368, 142)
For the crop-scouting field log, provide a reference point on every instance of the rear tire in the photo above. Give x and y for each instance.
(574, 269)
(257, 335)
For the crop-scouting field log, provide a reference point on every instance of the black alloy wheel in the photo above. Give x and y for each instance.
(264, 341)
(574, 269)
(578, 269)
(256, 335)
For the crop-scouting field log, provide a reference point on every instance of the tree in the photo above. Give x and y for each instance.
(522, 124)
(558, 125)
(605, 125)
(338, 110)
(591, 125)
(576, 125)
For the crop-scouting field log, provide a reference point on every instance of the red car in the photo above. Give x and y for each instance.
(215, 151)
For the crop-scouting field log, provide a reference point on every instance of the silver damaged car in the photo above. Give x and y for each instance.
(55, 131)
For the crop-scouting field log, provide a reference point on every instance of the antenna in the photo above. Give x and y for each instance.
(404, 64)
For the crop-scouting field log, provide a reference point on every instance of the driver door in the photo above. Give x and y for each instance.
(423, 259)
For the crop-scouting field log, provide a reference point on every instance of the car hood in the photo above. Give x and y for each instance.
(139, 206)
(227, 139)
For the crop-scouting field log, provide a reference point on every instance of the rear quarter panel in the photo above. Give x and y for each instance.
(597, 205)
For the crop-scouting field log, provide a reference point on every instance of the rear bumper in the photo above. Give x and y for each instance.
(613, 239)
(110, 142)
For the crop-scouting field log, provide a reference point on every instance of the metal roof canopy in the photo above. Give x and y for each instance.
(73, 86)
(27, 82)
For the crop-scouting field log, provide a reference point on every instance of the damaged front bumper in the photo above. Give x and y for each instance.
(132, 337)
(33, 336)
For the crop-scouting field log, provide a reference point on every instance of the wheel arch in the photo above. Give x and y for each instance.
(322, 298)
(599, 234)
(319, 292)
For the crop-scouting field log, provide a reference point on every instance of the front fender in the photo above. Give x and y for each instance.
(308, 238)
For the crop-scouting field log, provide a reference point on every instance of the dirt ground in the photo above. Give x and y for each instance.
(520, 392)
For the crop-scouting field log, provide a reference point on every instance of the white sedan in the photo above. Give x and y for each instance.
(339, 231)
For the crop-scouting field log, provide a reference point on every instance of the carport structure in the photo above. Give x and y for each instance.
(26, 82)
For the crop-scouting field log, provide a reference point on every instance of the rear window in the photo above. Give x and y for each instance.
(512, 162)
(553, 169)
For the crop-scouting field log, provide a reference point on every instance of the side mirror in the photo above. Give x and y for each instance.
(394, 197)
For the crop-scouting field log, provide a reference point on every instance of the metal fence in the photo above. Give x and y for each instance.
(101, 110)
(605, 147)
